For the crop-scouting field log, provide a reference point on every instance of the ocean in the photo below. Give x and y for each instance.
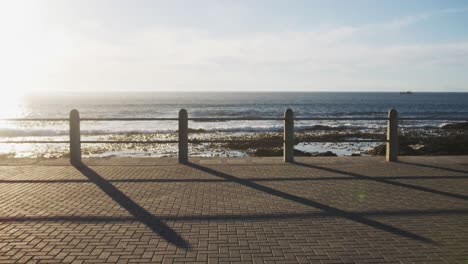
(213, 104)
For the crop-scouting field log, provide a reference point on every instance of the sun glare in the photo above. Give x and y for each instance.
(11, 104)
(21, 61)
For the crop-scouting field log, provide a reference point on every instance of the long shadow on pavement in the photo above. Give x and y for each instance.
(256, 179)
(235, 217)
(383, 180)
(291, 197)
(140, 214)
(432, 167)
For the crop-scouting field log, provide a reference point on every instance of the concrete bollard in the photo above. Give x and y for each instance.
(183, 136)
(75, 137)
(288, 141)
(392, 136)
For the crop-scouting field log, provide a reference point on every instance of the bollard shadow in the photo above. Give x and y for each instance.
(326, 208)
(138, 212)
(386, 181)
(432, 167)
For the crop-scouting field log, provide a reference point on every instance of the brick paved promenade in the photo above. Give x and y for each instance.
(319, 210)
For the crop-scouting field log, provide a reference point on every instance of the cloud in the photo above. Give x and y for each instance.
(89, 56)
(168, 59)
(405, 21)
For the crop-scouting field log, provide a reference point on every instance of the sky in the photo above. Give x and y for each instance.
(262, 45)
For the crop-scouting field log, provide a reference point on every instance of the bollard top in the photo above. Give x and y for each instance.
(74, 114)
(183, 113)
(392, 113)
(289, 113)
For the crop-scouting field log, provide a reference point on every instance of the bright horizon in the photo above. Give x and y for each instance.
(233, 46)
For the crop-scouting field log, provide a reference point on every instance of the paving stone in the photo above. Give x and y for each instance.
(319, 210)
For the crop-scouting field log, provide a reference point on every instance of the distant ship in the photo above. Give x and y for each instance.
(406, 92)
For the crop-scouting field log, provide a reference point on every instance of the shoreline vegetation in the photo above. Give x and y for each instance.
(450, 139)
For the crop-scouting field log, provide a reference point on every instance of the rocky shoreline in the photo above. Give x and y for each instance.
(451, 139)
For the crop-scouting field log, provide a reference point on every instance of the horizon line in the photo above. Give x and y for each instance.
(234, 91)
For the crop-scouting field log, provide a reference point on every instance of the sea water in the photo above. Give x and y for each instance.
(213, 105)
